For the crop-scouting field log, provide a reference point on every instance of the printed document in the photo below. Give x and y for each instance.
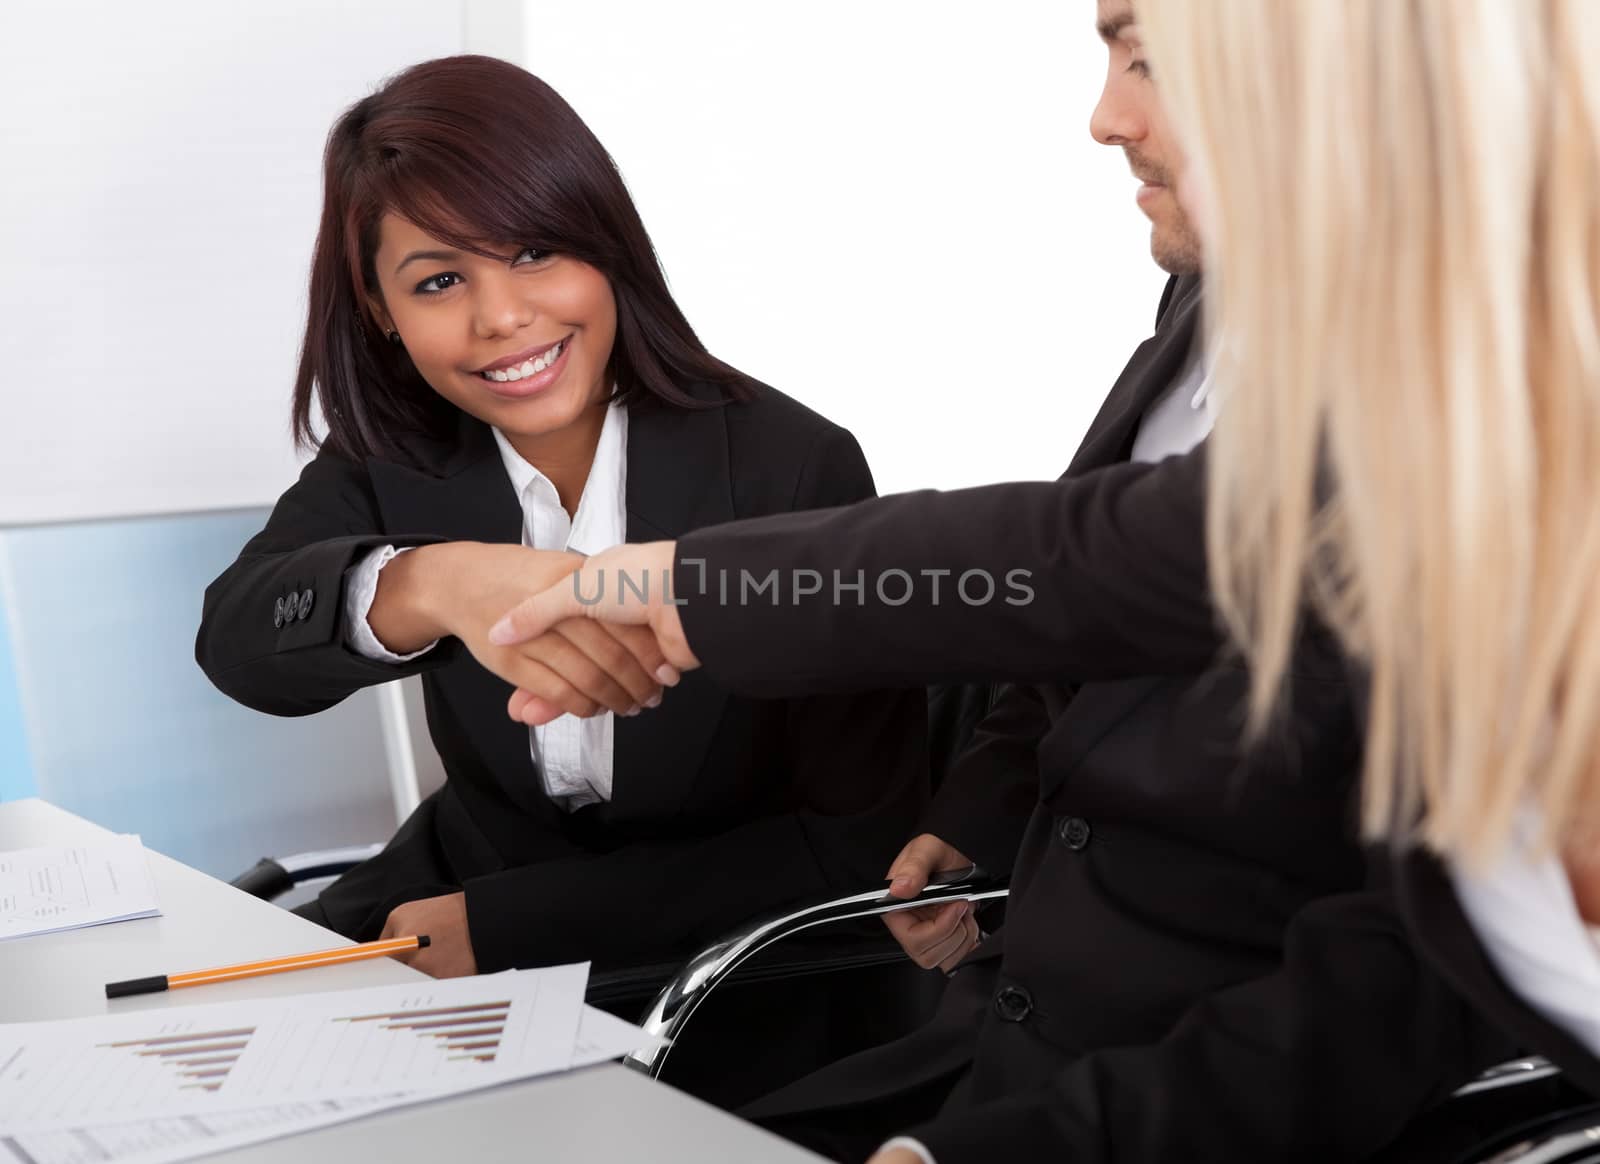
(64, 888)
(600, 1037)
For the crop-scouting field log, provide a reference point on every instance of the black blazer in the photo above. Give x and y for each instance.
(1198, 959)
(723, 806)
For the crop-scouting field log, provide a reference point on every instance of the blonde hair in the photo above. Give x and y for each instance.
(1403, 260)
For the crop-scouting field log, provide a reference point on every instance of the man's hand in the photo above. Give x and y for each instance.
(623, 589)
(444, 920)
(935, 936)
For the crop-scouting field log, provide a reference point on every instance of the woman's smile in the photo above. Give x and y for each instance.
(527, 372)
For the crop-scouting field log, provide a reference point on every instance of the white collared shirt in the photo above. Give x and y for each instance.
(1180, 419)
(1525, 915)
(574, 756)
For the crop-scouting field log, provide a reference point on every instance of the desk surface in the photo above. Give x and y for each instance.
(599, 1114)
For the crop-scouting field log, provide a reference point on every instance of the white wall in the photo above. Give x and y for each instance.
(160, 197)
(889, 209)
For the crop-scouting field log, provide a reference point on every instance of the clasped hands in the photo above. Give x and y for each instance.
(621, 594)
(518, 611)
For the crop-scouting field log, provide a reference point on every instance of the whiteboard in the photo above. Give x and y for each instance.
(160, 194)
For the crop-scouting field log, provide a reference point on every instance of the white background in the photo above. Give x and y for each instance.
(890, 210)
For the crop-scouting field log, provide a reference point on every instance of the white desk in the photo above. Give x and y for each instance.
(599, 1114)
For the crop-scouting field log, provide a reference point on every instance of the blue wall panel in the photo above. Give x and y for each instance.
(122, 726)
(16, 773)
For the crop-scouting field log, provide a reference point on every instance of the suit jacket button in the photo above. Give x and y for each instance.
(277, 614)
(1013, 1004)
(1075, 833)
(305, 604)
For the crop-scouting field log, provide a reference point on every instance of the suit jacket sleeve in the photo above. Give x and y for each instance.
(1097, 576)
(325, 523)
(984, 804)
(858, 775)
(1327, 1059)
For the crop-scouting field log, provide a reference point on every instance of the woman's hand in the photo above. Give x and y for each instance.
(624, 587)
(444, 920)
(461, 588)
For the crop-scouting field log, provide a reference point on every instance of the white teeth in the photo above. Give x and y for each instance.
(528, 367)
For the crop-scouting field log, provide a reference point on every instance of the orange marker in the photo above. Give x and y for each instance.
(162, 982)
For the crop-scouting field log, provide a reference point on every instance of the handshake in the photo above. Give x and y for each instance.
(580, 636)
(521, 613)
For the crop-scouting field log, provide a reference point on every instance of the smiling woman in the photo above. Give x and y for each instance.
(460, 197)
(507, 384)
(457, 313)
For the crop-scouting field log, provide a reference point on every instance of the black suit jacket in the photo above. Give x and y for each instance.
(723, 806)
(1198, 960)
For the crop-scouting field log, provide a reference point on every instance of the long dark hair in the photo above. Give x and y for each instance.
(477, 153)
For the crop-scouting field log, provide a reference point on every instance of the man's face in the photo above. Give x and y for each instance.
(1129, 115)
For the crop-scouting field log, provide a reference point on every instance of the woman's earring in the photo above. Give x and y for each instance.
(394, 338)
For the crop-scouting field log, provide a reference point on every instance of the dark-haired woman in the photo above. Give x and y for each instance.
(505, 378)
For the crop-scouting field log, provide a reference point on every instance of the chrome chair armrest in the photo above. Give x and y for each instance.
(272, 877)
(1508, 1074)
(675, 1005)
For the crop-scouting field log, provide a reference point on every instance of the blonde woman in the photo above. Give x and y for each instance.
(1412, 438)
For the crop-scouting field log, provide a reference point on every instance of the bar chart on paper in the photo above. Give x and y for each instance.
(191, 1062)
(171, 1139)
(432, 1037)
(414, 1045)
(458, 1032)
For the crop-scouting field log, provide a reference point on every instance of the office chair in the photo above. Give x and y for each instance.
(873, 993)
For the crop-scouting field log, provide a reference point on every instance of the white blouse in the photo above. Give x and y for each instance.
(574, 756)
(1525, 915)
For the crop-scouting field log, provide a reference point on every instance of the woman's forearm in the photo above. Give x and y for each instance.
(405, 611)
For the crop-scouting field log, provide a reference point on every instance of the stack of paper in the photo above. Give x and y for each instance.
(169, 1084)
(50, 889)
